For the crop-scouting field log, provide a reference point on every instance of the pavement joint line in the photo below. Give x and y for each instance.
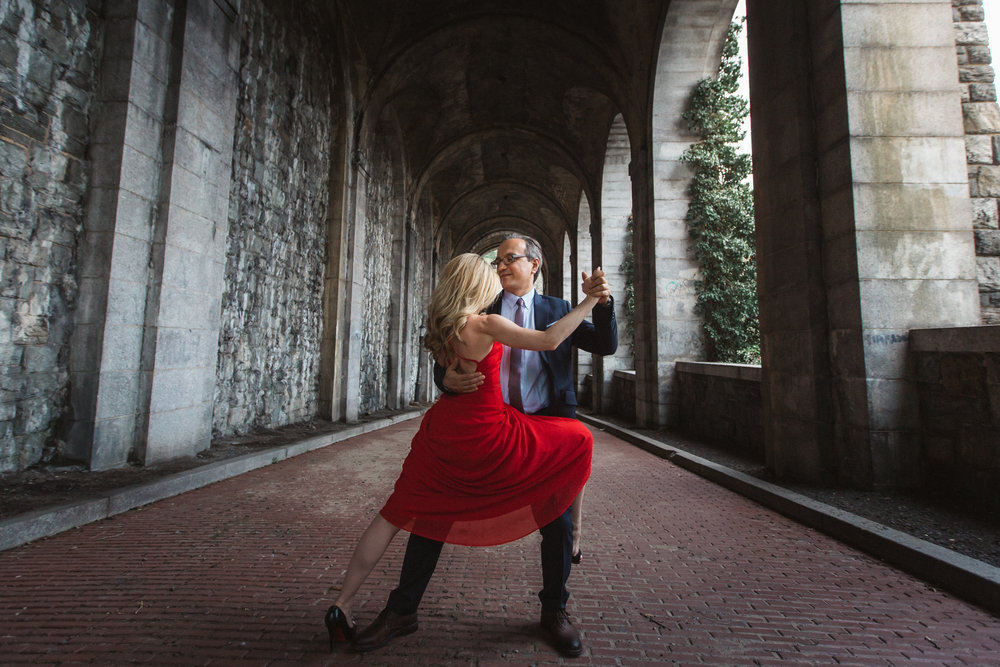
(968, 578)
(30, 526)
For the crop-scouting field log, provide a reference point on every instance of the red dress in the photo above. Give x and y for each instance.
(480, 472)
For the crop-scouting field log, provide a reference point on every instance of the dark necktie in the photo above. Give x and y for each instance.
(514, 385)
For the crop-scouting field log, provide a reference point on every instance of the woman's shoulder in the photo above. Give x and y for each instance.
(484, 321)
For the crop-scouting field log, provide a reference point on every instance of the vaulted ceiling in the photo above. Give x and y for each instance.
(503, 106)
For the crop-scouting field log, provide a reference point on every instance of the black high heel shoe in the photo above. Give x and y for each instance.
(338, 626)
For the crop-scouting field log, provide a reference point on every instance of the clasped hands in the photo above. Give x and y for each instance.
(457, 382)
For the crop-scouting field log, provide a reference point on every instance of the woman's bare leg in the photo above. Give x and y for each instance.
(367, 554)
(578, 521)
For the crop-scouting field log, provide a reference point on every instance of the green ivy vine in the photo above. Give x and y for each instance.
(720, 217)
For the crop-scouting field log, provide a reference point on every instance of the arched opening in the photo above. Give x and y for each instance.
(584, 258)
(568, 272)
(616, 208)
(690, 49)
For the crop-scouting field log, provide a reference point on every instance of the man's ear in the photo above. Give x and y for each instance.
(534, 266)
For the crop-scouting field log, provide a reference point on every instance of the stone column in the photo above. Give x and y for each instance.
(189, 246)
(911, 233)
(399, 315)
(106, 351)
(650, 405)
(863, 226)
(144, 352)
(796, 391)
(335, 287)
(354, 289)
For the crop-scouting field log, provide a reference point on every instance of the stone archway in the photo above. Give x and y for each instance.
(667, 328)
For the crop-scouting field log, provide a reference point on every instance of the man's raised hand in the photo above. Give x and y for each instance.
(596, 285)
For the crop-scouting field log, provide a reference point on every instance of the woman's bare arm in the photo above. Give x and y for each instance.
(497, 327)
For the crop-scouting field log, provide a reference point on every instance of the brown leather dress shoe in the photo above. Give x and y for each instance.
(561, 632)
(386, 625)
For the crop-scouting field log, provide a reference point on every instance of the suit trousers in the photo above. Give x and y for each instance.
(422, 555)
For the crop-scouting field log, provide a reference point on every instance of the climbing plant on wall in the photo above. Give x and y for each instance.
(720, 216)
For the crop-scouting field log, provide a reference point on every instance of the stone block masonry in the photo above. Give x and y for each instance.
(982, 141)
(269, 346)
(958, 378)
(48, 51)
(722, 403)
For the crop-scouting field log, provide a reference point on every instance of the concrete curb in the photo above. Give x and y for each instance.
(968, 578)
(46, 522)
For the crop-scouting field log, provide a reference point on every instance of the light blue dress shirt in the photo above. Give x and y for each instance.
(535, 388)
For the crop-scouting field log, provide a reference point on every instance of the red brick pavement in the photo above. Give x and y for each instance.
(676, 570)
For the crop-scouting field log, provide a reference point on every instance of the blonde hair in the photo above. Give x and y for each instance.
(468, 285)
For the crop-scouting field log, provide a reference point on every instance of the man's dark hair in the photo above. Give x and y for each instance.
(531, 247)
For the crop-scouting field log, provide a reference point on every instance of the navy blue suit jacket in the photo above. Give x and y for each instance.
(597, 337)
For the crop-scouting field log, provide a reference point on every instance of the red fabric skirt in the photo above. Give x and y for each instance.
(481, 473)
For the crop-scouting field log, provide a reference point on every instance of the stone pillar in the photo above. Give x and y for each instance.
(795, 388)
(331, 384)
(595, 245)
(106, 351)
(863, 226)
(355, 289)
(189, 246)
(399, 315)
(650, 406)
(144, 351)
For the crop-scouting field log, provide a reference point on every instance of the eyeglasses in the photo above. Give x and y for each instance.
(506, 259)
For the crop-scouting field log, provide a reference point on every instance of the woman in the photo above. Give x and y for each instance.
(479, 472)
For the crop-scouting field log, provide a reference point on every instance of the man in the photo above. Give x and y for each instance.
(545, 388)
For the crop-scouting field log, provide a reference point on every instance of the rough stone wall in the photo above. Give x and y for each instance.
(982, 140)
(269, 348)
(384, 214)
(48, 55)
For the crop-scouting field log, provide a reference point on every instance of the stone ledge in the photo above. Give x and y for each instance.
(956, 339)
(749, 372)
(47, 522)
